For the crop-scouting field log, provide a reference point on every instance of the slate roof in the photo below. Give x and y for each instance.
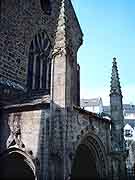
(131, 122)
(91, 114)
(90, 102)
(10, 92)
(4, 83)
(127, 108)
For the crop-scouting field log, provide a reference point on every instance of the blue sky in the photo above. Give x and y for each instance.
(109, 31)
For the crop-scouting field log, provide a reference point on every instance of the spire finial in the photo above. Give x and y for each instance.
(114, 60)
(115, 83)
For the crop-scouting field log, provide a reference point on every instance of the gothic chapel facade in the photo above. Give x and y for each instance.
(44, 134)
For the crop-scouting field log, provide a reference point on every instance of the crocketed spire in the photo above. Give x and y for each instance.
(115, 81)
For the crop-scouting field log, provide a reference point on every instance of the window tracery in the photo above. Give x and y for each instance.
(39, 66)
(46, 6)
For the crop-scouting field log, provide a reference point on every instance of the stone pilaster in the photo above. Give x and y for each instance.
(59, 60)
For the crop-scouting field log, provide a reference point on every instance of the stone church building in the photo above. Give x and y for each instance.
(44, 134)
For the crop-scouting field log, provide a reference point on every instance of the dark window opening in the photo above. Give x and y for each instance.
(128, 133)
(46, 6)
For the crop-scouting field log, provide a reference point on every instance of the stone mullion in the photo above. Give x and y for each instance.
(44, 74)
(30, 71)
(37, 75)
(41, 73)
(47, 75)
(39, 41)
(34, 71)
(42, 41)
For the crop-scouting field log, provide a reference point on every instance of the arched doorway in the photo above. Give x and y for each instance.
(84, 166)
(56, 168)
(14, 165)
(90, 161)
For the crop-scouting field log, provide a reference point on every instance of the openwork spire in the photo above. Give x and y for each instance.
(115, 81)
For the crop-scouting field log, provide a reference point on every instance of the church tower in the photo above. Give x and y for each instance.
(117, 134)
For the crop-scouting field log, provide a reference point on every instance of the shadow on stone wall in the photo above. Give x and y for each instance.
(51, 144)
(4, 130)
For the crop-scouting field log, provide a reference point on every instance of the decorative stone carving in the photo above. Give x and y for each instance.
(15, 131)
(115, 83)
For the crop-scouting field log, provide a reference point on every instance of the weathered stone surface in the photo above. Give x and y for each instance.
(45, 126)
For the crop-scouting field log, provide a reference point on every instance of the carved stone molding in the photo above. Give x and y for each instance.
(14, 138)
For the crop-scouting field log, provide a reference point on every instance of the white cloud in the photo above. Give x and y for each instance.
(127, 91)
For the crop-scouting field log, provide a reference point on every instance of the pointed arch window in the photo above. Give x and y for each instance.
(39, 65)
(46, 6)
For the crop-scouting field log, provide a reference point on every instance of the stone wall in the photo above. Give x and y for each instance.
(33, 126)
(85, 123)
(80, 125)
(30, 128)
(20, 21)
